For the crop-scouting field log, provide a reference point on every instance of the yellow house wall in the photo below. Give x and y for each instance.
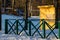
(47, 12)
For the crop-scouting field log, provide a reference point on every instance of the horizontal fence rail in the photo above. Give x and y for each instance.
(17, 26)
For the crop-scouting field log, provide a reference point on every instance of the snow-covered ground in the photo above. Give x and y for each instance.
(22, 36)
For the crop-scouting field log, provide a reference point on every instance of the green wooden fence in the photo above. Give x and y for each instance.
(15, 28)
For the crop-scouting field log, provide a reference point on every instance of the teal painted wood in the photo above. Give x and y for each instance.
(6, 26)
(59, 29)
(44, 28)
(29, 28)
(31, 24)
(51, 29)
(17, 26)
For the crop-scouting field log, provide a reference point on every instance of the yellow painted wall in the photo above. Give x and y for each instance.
(47, 12)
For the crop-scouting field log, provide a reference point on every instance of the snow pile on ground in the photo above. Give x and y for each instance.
(18, 37)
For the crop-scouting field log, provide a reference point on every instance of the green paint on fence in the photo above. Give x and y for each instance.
(59, 29)
(6, 26)
(44, 29)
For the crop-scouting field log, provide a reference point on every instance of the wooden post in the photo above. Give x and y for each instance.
(26, 16)
(4, 6)
(6, 26)
(29, 28)
(56, 20)
(56, 10)
(17, 26)
(0, 13)
(44, 28)
(13, 6)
